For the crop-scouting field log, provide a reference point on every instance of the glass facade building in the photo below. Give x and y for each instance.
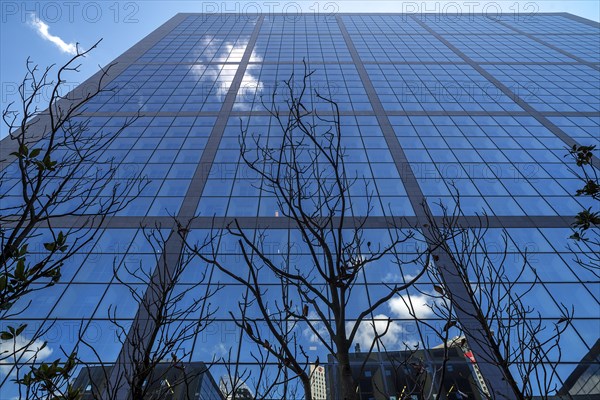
(429, 104)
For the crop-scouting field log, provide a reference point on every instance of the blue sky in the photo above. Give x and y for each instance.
(47, 31)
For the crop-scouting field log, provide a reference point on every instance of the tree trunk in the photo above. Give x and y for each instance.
(347, 388)
(307, 389)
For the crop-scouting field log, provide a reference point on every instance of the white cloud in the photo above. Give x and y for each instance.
(411, 306)
(219, 350)
(395, 277)
(24, 350)
(43, 30)
(367, 329)
(397, 336)
(391, 277)
(318, 326)
(214, 73)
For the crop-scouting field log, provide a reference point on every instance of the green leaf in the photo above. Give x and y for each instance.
(591, 188)
(575, 236)
(20, 270)
(11, 250)
(21, 329)
(586, 218)
(48, 163)
(6, 335)
(35, 152)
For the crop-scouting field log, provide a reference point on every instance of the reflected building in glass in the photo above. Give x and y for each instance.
(429, 104)
(191, 381)
(407, 375)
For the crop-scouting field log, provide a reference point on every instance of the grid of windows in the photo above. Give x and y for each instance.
(548, 24)
(321, 25)
(463, 24)
(197, 49)
(552, 87)
(294, 48)
(505, 48)
(582, 129)
(382, 25)
(584, 46)
(436, 88)
(127, 154)
(79, 305)
(456, 131)
(549, 263)
(281, 243)
(340, 82)
(215, 24)
(402, 48)
(233, 189)
(165, 150)
(168, 150)
(504, 165)
(166, 88)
